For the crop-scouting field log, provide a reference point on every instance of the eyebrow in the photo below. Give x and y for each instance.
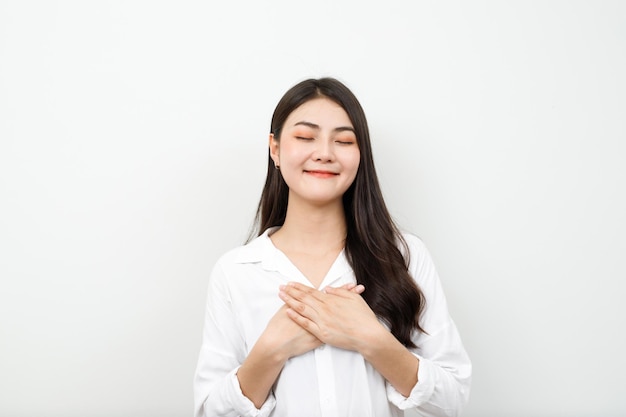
(317, 127)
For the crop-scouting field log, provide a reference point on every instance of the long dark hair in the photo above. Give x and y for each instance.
(373, 241)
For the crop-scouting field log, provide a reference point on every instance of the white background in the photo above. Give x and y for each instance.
(132, 154)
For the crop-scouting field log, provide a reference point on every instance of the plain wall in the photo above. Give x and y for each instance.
(133, 142)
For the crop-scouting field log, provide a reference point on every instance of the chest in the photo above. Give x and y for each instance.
(313, 267)
(254, 292)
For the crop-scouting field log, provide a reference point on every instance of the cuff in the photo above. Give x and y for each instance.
(421, 392)
(243, 405)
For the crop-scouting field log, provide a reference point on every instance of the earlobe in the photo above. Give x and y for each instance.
(274, 150)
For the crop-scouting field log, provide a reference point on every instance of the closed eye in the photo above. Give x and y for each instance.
(345, 142)
(303, 138)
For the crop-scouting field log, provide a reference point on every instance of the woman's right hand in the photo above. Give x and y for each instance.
(285, 337)
(282, 339)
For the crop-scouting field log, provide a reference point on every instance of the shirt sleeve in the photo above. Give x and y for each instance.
(216, 387)
(444, 373)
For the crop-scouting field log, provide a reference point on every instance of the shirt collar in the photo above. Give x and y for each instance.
(262, 250)
(259, 249)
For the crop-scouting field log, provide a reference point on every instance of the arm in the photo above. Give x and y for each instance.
(230, 382)
(281, 340)
(445, 368)
(434, 378)
(217, 389)
(392, 360)
(343, 319)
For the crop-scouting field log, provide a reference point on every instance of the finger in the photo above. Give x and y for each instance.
(343, 292)
(302, 293)
(302, 308)
(353, 287)
(348, 287)
(304, 322)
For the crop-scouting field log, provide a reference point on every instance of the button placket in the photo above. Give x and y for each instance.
(326, 381)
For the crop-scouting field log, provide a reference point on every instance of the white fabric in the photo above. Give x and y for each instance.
(325, 382)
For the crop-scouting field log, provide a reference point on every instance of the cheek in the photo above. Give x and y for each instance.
(291, 159)
(354, 161)
(291, 153)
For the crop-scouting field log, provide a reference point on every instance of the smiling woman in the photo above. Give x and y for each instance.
(317, 153)
(331, 310)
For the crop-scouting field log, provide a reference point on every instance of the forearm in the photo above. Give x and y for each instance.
(392, 360)
(258, 373)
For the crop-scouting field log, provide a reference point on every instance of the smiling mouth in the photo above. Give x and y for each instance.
(321, 174)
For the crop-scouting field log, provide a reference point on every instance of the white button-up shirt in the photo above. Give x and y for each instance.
(327, 381)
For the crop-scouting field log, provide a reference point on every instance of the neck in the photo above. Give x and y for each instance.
(312, 228)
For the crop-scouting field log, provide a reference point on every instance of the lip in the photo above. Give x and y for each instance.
(321, 173)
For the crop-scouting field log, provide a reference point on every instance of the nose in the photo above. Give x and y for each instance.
(324, 151)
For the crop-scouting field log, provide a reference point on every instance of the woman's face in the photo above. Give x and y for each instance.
(317, 153)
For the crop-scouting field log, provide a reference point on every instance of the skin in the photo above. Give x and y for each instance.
(319, 158)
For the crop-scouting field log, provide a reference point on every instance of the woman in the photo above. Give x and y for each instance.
(330, 311)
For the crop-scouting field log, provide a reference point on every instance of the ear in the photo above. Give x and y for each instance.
(274, 150)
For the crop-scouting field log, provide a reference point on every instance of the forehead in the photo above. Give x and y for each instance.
(320, 111)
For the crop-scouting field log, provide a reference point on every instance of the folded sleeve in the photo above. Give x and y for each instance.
(444, 373)
(216, 387)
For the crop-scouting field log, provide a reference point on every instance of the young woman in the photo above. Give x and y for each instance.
(330, 311)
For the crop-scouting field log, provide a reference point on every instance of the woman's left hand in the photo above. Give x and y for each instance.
(336, 316)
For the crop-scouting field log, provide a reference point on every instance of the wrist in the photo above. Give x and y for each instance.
(273, 353)
(372, 339)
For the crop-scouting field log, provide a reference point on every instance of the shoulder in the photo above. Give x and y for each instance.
(414, 244)
(421, 265)
(252, 252)
(235, 267)
(412, 240)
